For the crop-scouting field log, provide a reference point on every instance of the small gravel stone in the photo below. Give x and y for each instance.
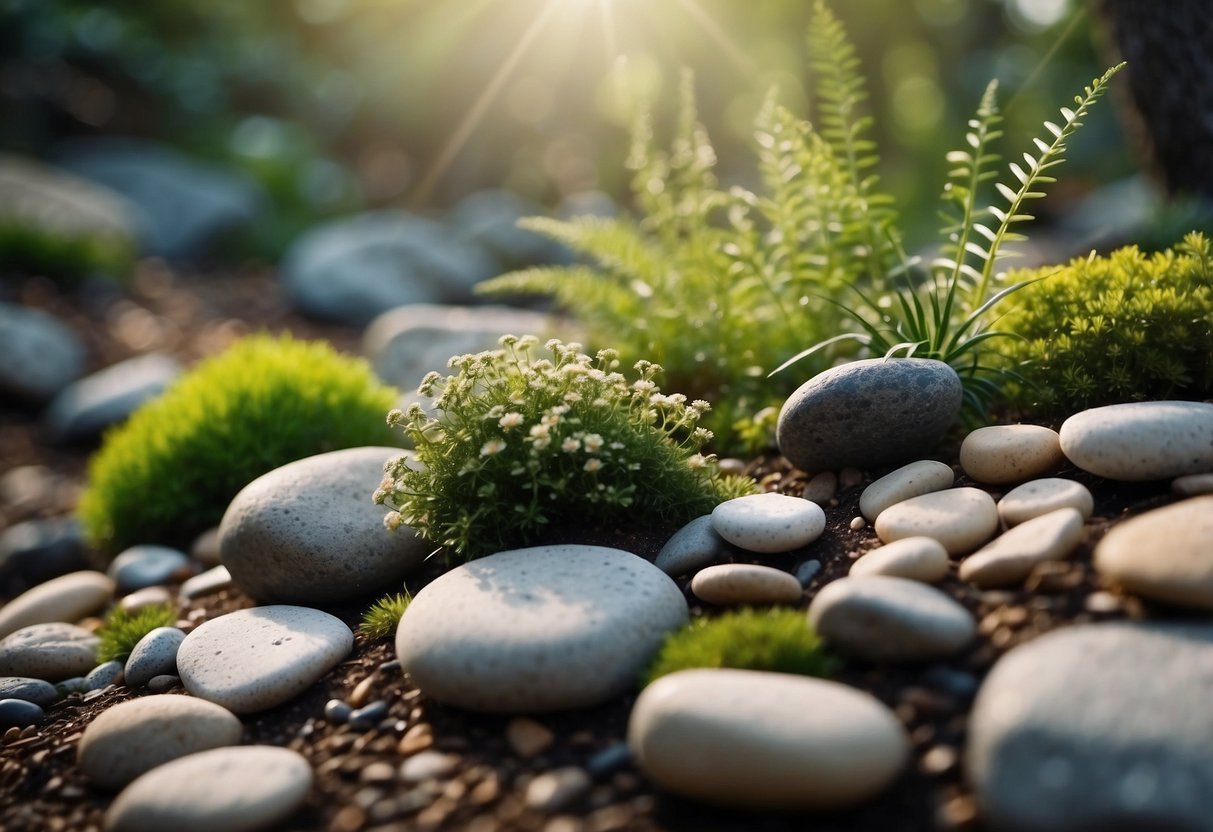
(745, 583)
(205, 548)
(103, 675)
(146, 565)
(1002, 454)
(913, 480)
(149, 596)
(769, 522)
(1010, 558)
(51, 652)
(1039, 497)
(213, 580)
(428, 765)
(67, 598)
(361, 692)
(807, 571)
(1141, 441)
(917, 558)
(154, 655)
(369, 716)
(527, 737)
(337, 712)
(38, 691)
(555, 790)
(960, 518)
(163, 684)
(821, 488)
(18, 713)
(1192, 485)
(692, 547)
(857, 523)
(609, 760)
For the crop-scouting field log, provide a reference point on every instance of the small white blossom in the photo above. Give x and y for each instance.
(697, 461)
(392, 521)
(592, 465)
(593, 443)
(492, 447)
(569, 445)
(540, 430)
(510, 420)
(572, 396)
(542, 442)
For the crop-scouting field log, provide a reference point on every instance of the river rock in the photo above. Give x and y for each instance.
(252, 660)
(1192, 485)
(66, 598)
(765, 740)
(917, 558)
(103, 675)
(489, 218)
(1002, 454)
(867, 413)
(308, 533)
(694, 546)
(237, 789)
(51, 652)
(135, 736)
(1032, 499)
(882, 618)
(208, 583)
(146, 565)
(154, 655)
(1164, 554)
(39, 355)
(149, 596)
(1141, 441)
(745, 583)
(31, 690)
(542, 629)
(19, 713)
(913, 480)
(960, 518)
(37, 550)
(1102, 726)
(769, 522)
(107, 397)
(1009, 559)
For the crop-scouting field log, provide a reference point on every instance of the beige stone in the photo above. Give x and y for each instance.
(1032, 499)
(1002, 454)
(745, 583)
(960, 518)
(917, 558)
(67, 598)
(913, 480)
(1010, 558)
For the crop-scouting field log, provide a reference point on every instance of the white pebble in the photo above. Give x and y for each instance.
(769, 522)
(960, 518)
(913, 480)
(1002, 454)
(1038, 497)
(917, 558)
(1010, 558)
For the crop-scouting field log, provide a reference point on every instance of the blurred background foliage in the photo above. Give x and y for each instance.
(335, 105)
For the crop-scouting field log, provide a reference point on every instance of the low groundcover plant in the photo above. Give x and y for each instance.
(122, 630)
(382, 618)
(521, 441)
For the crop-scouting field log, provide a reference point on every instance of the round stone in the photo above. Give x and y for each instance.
(1141, 441)
(208, 583)
(236, 789)
(38, 691)
(135, 736)
(1103, 726)
(67, 598)
(1164, 554)
(916, 558)
(154, 655)
(692, 547)
(251, 660)
(1010, 453)
(867, 413)
(149, 596)
(1009, 559)
(540, 629)
(147, 565)
(1038, 497)
(103, 675)
(1192, 485)
(769, 522)
(51, 652)
(960, 518)
(39, 355)
(308, 533)
(765, 740)
(881, 618)
(18, 713)
(913, 480)
(745, 583)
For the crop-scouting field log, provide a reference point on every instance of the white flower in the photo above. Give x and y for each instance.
(592, 465)
(572, 396)
(569, 445)
(593, 443)
(510, 420)
(697, 461)
(542, 442)
(617, 446)
(492, 447)
(392, 521)
(541, 430)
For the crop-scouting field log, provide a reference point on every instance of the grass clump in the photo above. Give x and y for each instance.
(381, 619)
(123, 630)
(521, 441)
(1104, 330)
(778, 640)
(169, 472)
(63, 256)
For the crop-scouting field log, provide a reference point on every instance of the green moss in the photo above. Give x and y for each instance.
(26, 249)
(171, 470)
(1104, 330)
(381, 619)
(778, 640)
(122, 630)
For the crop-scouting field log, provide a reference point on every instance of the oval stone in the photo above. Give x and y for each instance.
(1009, 559)
(913, 480)
(765, 740)
(1141, 441)
(51, 652)
(769, 522)
(1010, 453)
(960, 518)
(540, 629)
(745, 583)
(154, 655)
(880, 618)
(147, 565)
(1032, 499)
(308, 533)
(38, 691)
(917, 558)
(67, 598)
(692, 547)
(1165, 554)
(137, 735)
(871, 412)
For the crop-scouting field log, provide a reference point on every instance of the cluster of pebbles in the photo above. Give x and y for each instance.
(1061, 734)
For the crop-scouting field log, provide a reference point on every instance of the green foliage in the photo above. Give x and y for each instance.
(522, 441)
(27, 249)
(778, 640)
(381, 619)
(170, 471)
(123, 630)
(1125, 327)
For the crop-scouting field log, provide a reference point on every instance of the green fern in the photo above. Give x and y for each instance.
(382, 617)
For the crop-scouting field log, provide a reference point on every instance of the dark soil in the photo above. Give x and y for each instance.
(356, 784)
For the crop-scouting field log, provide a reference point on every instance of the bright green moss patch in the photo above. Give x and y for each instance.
(62, 256)
(123, 630)
(169, 473)
(381, 619)
(778, 640)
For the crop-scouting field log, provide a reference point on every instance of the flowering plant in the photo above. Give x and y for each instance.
(519, 441)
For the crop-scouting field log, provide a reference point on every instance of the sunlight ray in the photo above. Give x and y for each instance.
(712, 29)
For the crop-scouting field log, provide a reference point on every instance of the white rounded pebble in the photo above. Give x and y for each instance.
(149, 596)
(692, 547)
(917, 558)
(745, 583)
(913, 480)
(1141, 441)
(238, 789)
(427, 765)
(540, 629)
(1165, 554)
(881, 618)
(765, 740)
(67, 598)
(154, 655)
(103, 675)
(960, 518)
(1009, 559)
(52, 652)
(1192, 485)
(769, 522)
(137, 735)
(209, 582)
(821, 488)
(251, 660)
(1002, 454)
(146, 565)
(1032, 499)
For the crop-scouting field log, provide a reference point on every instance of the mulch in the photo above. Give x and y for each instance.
(356, 788)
